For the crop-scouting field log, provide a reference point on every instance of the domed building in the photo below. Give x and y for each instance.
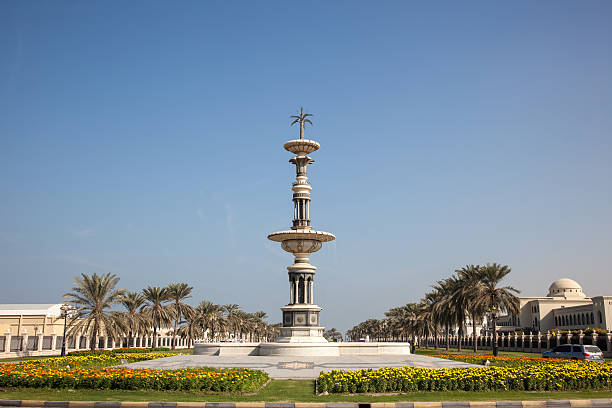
(565, 307)
(565, 288)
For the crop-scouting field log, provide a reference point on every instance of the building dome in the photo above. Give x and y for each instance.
(566, 288)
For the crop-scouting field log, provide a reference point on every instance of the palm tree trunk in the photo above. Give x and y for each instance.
(447, 337)
(474, 332)
(495, 351)
(94, 335)
(460, 337)
(155, 337)
(174, 335)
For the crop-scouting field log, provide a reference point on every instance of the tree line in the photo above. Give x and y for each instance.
(155, 308)
(471, 294)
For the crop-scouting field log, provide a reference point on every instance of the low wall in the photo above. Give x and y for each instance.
(301, 349)
(226, 349)
(38, 346)
(373, 349)
(526, 343)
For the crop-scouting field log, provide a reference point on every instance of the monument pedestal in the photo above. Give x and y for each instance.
(301, 335)
(301, 324)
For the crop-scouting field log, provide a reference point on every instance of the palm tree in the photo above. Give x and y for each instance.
(211, 318)
(260, 323)
(332, 334)
(233, 321)
(273, 331)
(410, 321)
(471, 278)
(429, 320)
(193, 328)
(302, 119)
(244, 323)
(458, 302)
(394, 318)
(403, 321)
(442, 310)
(177, 292)
(135, 321)
(93, 296)
(425, 325)
(397, 318)
(363, 329)
(156, 310)
(494, 300)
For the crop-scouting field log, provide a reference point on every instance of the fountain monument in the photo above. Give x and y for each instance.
(301, 333)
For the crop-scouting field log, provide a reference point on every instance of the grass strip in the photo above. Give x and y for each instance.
(289, 390)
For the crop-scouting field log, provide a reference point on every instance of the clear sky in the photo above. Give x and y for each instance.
(145, 139)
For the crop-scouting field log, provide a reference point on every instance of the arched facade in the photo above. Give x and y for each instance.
(566, 307)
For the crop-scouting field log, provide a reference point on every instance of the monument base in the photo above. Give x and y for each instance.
(303, 334)
(301, 349)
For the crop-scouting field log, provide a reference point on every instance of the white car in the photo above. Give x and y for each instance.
(575, 352)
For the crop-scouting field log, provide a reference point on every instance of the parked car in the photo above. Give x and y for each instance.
(575, 352)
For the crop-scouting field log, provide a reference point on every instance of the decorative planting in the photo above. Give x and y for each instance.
(505, 374)
(93, 372)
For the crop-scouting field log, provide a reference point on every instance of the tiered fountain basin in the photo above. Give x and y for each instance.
(301, 147)
(301, 242)
(302, 234)
(302, 349)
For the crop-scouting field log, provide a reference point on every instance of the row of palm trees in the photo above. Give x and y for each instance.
(470, 295)
(155, 308)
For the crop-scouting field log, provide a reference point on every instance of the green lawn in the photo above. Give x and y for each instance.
(286, 390)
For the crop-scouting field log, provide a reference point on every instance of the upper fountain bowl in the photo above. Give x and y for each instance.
(313, 235)
(301, 147)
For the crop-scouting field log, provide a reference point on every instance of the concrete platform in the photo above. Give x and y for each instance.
(293, 347)
(297, 367)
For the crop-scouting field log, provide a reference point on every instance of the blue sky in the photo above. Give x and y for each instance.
(145, 139)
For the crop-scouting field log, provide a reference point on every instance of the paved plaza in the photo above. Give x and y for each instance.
(298, 367)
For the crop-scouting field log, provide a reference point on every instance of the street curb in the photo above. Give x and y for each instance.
(578, 403)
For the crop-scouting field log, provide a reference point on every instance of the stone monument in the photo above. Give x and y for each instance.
(301, 333)
(301, 317)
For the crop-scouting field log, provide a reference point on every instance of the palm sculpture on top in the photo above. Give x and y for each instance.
(302, 119)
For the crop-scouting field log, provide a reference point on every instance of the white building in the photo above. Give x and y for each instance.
(565, 307)
(38, 329)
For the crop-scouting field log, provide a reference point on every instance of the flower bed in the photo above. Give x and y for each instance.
(96, 360)
(520, 374)
(204, 379)
(89, 372)
(499, 361)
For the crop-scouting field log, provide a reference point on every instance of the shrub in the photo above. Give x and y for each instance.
(89, 372)
(506, 373)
